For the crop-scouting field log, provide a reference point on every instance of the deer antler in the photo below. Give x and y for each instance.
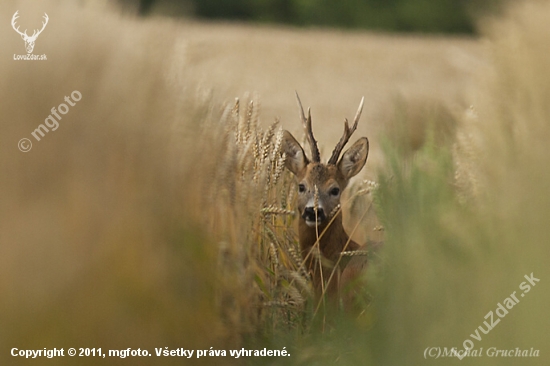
(13, 19)
(315, 156)
(35, 34)
(347, 134)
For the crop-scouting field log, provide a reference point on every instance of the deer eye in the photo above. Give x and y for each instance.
(335, 191)
(301, 188)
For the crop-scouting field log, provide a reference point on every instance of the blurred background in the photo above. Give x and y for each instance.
(158, 213)
(447, 16)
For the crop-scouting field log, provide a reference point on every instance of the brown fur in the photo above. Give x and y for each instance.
(333, 241)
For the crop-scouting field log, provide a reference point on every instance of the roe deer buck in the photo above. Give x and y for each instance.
(320, 187)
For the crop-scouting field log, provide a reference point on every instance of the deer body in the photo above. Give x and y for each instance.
(331, 244)
(320, 186)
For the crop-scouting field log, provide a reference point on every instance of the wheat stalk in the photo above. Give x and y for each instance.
(273, 210)
(354, 253)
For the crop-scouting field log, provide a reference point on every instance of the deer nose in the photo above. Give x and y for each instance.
(309, 214)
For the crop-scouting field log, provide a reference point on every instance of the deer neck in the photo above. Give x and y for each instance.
(331, 243)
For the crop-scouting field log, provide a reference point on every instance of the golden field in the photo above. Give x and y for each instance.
(158, 213)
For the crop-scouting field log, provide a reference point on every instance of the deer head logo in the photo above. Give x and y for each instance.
(29, 40)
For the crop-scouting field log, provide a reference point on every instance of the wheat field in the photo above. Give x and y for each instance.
(159, 213)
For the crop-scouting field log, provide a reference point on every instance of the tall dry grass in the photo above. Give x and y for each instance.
(159, 213)
(100, 246)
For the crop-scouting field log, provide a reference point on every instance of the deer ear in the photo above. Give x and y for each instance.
(296, 159)
(354, 158)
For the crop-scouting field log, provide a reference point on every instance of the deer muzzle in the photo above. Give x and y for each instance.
(311, 218)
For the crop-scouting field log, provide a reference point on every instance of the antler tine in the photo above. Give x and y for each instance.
(347, 134)
(13, 19)
(306, 122)
(46, 19)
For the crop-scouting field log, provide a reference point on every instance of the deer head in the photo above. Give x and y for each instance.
(29, 40)
(320, 185)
